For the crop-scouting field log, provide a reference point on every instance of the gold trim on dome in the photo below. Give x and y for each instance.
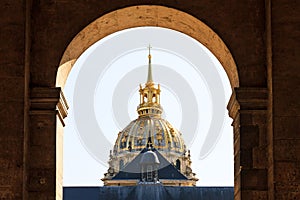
(174, 149)
(165, 182)
(164, 137)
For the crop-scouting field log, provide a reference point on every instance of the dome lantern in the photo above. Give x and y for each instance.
(149, 95)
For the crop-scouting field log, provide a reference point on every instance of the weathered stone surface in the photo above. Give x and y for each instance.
(250, 195)
(287, 127)
(254, 179)
(249, 137)
(287, 171)
(11, 99)
(287, 150)
(242, 25)
(246, 30)
(45, 164)
(246, 158)
(260, 155)
(286, 99)
(247, 107)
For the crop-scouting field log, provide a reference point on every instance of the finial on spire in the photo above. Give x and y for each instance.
(149, 55)
(149, 79)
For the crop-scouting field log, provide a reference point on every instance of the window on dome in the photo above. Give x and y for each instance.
(178, 164)
(139, 142)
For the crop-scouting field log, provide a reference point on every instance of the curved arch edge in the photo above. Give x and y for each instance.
(146, 15)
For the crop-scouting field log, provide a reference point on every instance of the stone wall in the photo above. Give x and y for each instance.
(12, 99)
(262, 36)
(286, 99)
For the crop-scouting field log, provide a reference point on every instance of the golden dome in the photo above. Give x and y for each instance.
(163, 135)
(149, 130)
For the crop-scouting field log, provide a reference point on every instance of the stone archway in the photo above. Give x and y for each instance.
(245, 102)
(261, 36)
(146, 15)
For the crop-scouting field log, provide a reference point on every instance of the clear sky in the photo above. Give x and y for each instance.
(102, 90)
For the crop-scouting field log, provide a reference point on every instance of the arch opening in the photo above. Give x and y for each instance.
(208, 37)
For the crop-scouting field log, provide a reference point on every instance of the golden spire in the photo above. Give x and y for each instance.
(149, 95)
(149, 79)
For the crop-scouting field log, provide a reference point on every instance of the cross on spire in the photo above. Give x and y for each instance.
(149, 79)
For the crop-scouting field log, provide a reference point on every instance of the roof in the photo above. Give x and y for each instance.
(166, 170)
(134, 192)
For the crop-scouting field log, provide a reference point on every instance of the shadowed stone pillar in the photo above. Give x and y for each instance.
(47, 111)
(248, 109)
